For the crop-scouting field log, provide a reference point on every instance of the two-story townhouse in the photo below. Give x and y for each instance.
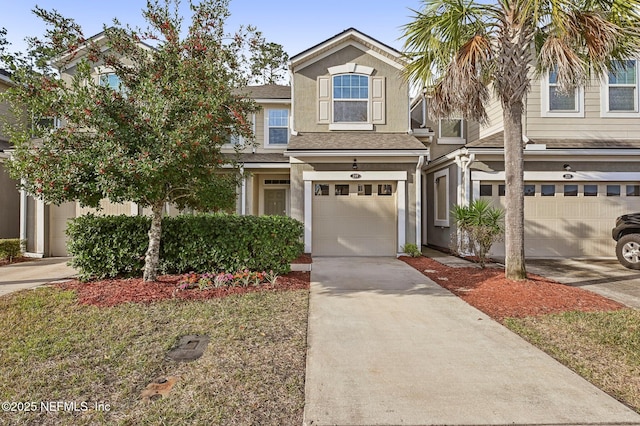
(334, 150)
(582, 166)
(9, 196)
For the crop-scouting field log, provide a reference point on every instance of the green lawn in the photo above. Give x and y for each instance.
(603, 347)
(252, 372)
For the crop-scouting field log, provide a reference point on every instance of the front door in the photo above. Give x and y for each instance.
(275, 202)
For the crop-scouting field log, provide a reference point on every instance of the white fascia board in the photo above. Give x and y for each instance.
(357, 153)
(248, 166)
(565, 154)
(272, 101)
(309, 175)
(560, 176)
(301, 64)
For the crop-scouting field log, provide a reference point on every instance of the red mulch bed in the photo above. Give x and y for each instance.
(115, 291)
(303, 258)
(500, 298)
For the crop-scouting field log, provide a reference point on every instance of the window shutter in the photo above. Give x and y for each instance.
(324, 100)
(378, 110)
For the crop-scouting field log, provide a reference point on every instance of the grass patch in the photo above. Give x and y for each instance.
(53, 349)
(603, 347)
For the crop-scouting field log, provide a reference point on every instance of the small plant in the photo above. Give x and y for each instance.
(11, 248)
(271, 277)
(412, 250)
(480, 225)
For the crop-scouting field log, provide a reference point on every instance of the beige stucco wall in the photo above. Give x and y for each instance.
(305, 91)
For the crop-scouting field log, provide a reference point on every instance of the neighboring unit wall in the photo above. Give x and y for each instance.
(9, 206)
(591, 126)
(440, 235)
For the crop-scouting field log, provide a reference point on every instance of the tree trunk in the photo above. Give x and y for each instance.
(152, 258)
(514, 181)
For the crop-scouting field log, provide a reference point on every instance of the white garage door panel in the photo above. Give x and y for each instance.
(58, 218)
(354, 225)
(571, 226)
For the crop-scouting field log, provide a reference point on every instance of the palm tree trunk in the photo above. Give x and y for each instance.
(514, 179)
(152, 258)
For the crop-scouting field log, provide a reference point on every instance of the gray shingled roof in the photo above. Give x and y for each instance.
(354, 140)
(267, 91)
(497, 141)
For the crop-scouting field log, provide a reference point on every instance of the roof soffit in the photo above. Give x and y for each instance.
(353, 38)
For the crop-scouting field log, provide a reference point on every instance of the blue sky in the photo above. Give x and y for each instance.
(296, 25)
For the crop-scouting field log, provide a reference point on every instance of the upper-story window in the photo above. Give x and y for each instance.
(555, 103)
(351, 98)
(277, 126)
(620, 91)
(110, 80)
(451, 131)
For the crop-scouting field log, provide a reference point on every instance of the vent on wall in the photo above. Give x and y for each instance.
(277, 182)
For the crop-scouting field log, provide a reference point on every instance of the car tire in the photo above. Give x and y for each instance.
(628, 251)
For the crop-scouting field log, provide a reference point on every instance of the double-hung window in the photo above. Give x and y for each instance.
(555, 103)
(277, 126)
(350, 98)
(620, 93)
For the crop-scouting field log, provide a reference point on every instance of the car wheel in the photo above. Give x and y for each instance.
(628, 251)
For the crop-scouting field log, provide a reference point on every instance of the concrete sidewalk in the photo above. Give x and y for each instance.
(20, 276)
(388, 346)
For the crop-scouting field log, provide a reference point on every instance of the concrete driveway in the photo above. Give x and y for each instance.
(20, 276)
(603, 276)
(388, 346)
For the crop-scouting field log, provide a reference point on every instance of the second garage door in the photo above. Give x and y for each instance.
(570, 219)
(354, 219)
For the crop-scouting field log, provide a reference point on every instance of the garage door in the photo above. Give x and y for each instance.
(354, 219)
(570, 219)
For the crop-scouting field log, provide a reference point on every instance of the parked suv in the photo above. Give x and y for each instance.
(627, 235)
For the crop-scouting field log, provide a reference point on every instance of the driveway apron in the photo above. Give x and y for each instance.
(386, 345)
(20, 276)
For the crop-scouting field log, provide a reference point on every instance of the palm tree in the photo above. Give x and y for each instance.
(461, 49)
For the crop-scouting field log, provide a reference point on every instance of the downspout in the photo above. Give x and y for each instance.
(418, 178)
(464, 161)
(243, 193)
(292, 126)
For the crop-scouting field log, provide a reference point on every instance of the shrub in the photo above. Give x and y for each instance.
(480, 225)
(116, 245)
(10, 248)
(107, 246)
(412, 250)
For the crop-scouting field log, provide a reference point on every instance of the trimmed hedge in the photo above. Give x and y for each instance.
(108, 246)
(10, 248)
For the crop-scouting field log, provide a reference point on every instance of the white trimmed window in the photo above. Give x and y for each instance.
(554, 103)
(451, 131)
(619, 97)
(351, 98)
(441, 198)
(110, 80)
(277, 127)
